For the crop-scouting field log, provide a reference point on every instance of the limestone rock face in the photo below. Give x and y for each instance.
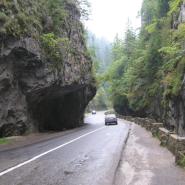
(36, 96)
(181, 18)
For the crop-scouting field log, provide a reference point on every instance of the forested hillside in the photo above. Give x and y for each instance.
(147, 74)
(101, 54)
(100, 49)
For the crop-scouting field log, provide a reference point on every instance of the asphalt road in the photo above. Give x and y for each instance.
(87, 156)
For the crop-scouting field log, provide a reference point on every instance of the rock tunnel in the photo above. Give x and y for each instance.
(59, 108)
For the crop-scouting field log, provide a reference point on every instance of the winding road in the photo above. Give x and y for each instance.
(88, 155)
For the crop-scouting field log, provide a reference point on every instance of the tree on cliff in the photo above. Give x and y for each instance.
(148, 70)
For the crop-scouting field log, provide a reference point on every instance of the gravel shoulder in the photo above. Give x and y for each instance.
(145, 162)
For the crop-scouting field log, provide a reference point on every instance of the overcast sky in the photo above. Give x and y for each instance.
(109, 17)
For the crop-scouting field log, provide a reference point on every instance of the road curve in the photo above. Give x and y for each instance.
(88, 156)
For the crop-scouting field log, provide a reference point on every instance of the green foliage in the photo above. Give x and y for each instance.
(181, 162)
(174, 6)
(13, 28)
(155, 64)
(56, 48)
(3, 141)
(22, 24)
(27, 18)
(169, 50)
(151, 27)
(119, 103)
(100, 101)
(149, 11)
(99, 51)
(173, 79)
(20, 17)
(163, 7)
(58, 13)
(96, 63)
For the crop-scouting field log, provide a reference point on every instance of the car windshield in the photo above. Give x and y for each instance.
(111, 116)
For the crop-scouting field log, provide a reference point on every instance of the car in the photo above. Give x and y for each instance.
(111, 119)
(93, 112)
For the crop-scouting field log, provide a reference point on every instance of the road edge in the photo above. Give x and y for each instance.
(121, 152)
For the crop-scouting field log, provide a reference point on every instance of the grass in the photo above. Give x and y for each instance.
(156, 135)
(3, 141)
(181, 162)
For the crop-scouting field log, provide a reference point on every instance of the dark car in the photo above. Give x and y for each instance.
(93, 112)
(111, 119)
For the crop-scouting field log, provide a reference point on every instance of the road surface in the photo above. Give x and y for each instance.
(145, 162)
(87, 156)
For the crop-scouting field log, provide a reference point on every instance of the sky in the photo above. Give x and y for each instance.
(110, 17)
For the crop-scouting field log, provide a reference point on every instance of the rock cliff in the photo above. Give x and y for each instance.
(44, 85)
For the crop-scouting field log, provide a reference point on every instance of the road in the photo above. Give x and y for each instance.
(87, 156)
(145, 162)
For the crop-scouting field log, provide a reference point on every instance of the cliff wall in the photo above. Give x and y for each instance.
(45, 70)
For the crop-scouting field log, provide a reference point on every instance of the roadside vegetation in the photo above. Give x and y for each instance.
(181, 162)
(3, 141)
(149, 66)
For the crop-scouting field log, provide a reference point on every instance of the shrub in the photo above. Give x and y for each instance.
(56, 48)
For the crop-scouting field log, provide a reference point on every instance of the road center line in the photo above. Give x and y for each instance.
(47, 152)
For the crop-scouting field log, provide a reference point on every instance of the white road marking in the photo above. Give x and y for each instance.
(47, 152)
